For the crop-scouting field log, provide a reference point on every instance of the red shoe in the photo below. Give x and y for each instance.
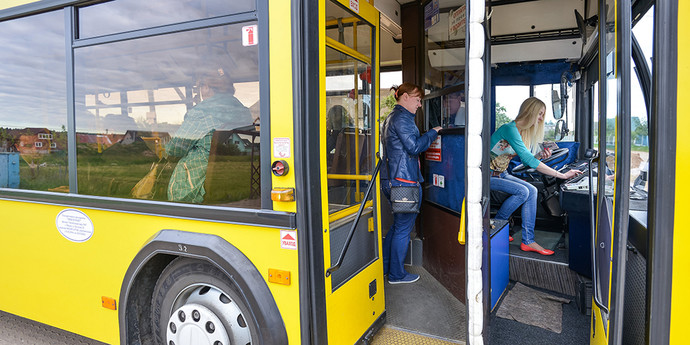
(510, 238)
(527, 248)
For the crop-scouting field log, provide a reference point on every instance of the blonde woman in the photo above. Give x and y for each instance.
(521, 137)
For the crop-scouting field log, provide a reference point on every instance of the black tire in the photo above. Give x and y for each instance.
(195, 299)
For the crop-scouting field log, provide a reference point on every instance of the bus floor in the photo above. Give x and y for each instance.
(575, 327)
(423, 312)
(548, 274)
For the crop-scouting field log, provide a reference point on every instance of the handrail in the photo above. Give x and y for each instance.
(461, 233)
(595, 276)
(346, 212)
(348, 177)
(354, 224)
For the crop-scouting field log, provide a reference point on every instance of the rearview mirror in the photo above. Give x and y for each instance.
(560, 131)
(556, 104)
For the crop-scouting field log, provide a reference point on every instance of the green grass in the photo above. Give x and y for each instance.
(115, 171)
(228, 182)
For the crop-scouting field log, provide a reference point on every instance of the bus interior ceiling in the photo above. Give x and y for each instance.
(533, 42)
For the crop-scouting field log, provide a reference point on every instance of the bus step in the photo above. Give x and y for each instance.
(547, 272)
(392, 335)
(414, 252)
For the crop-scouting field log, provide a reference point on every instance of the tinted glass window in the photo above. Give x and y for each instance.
(127, 15)
(33, 116)
(171, 118)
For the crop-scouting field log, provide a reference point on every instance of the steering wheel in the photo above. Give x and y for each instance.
(557, 156)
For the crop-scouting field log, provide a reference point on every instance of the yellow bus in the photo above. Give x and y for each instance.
(206, 171)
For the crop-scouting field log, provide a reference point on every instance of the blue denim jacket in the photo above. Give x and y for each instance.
(403, 144)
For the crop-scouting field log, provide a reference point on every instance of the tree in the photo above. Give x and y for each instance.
(386, 106)
(641, 131)
(501, 117)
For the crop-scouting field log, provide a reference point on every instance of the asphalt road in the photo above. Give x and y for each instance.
(15, 330)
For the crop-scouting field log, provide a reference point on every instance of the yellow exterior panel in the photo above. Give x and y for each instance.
(350, 305)
(61, 283)
(282, 128)
(681, 256)
(599, 337)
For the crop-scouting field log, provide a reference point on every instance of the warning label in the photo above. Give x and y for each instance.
(288, 239)
(434, 151)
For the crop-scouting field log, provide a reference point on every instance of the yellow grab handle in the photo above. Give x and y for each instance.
(461, 233)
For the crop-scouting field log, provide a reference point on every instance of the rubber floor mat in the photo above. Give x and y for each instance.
(532, 307)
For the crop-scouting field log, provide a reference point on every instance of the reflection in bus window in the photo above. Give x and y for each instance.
(170, 118)
(127, 15)
(33, 118)
(348, 130)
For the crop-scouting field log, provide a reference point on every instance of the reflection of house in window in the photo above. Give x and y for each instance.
(37, 140)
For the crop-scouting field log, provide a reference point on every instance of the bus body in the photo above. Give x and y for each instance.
(197, 172)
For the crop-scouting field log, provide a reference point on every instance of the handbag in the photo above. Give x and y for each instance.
(405, 199)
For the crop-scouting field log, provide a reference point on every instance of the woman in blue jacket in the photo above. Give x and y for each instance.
(402, 146)
(520, 137)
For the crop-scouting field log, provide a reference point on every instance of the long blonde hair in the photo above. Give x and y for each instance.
(531, 130)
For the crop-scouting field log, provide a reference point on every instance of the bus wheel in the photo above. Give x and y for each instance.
(194, 303)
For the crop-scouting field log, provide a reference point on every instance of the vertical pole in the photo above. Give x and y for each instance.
(474, 68)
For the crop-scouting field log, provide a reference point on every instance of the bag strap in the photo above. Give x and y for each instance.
(386, 124)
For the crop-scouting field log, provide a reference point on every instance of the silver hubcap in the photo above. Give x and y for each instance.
(204, 315)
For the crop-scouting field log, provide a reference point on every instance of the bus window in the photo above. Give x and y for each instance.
(594, 96)
(545, 93)
(127, 15)
(171, 118)
(639, 131)
(348, 129)
(33, 118)
(348, 30)
(639, 135)
(643, 31)
(387, 96)
(508, 101)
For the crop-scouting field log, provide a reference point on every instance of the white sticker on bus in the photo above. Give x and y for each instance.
(354, 5)
(250, 35)
(74, 225)
(281, 147)
(288, 239)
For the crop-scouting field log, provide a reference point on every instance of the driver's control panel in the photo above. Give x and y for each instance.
(580, 182)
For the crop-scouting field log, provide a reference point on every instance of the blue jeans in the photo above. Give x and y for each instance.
(397, 239)
(521, 193)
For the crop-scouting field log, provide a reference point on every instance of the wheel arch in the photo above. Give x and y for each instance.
(143, 272)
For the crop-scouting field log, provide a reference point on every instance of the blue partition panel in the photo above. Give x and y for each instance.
(451, 168)
(499, 261)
